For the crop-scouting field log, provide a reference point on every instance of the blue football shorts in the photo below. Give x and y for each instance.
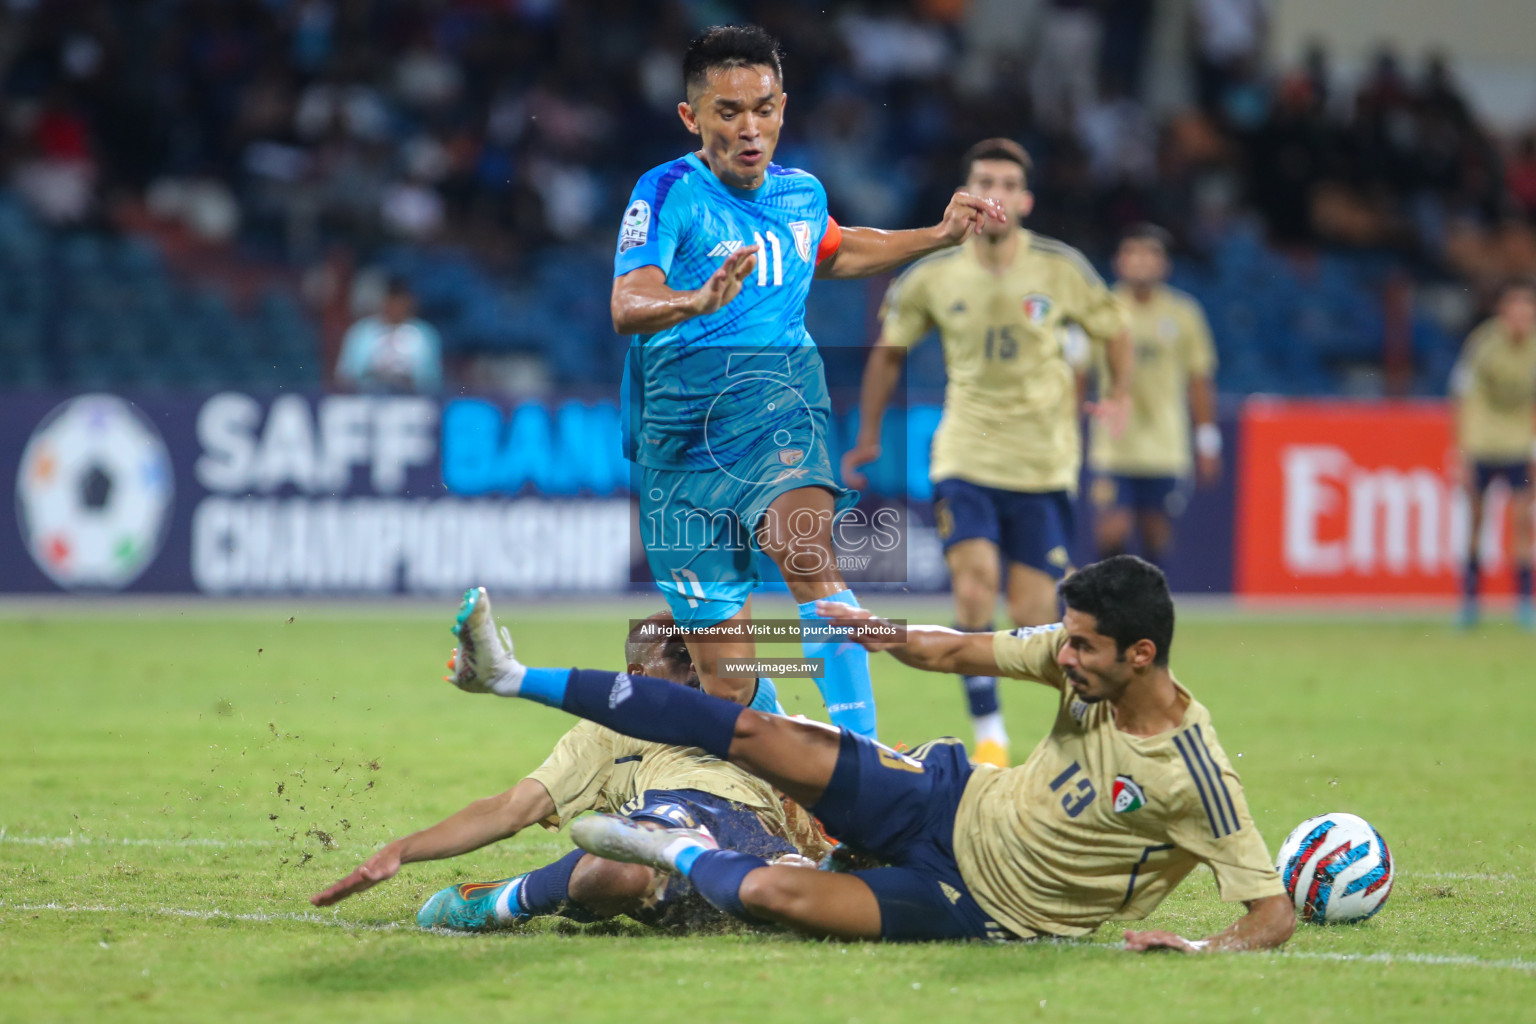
(734, 826)
(900, 809)
(1031, 528)
(699, 526)
(1516, 474)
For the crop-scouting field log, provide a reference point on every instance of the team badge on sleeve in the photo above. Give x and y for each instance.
(637, 225)
(1128, 795)
(802, 232)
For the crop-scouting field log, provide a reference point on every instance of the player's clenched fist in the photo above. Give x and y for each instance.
(725, 283)
(967, 214)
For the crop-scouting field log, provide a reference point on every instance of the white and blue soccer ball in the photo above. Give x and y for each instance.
(1336, 868)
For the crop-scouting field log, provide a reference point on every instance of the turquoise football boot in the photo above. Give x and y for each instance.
(475, 906)
(1467, 617)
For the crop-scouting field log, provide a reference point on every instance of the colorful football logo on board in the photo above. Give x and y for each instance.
(93, 493)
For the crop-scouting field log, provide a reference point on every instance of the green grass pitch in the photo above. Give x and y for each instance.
(173, 786)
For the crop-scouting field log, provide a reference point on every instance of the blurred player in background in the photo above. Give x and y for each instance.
(596, 768)
(1126, 793)
(1140, 473)
(1494, 391)
(1008, 450)
(727, 409)
(393, 351)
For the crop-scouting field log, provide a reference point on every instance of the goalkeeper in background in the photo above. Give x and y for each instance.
(1007, 453)
(1141, 473)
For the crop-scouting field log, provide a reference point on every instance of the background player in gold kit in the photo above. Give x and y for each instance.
(1494, 390)
(1008, 450)
(1127, 792)
(1139, 472)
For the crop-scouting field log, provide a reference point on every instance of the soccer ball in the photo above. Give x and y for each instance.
(1336, 869)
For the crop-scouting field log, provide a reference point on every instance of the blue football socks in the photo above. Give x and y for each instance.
(638, 706)
(718, 875)
(546, 889)
(845, 685)
(766, 699)
(980, 691)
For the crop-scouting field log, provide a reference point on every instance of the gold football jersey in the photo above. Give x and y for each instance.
(1098, 824)
(1010, 403)
(1496, 384)
(593, 768)
(1172, 343)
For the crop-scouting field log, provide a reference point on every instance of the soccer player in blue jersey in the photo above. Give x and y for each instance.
(726, 398)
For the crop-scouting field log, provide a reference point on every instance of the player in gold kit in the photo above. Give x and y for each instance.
(1140, 473)
(1128, 791)
(596, 768)
(1494, 390)
(1008, 449)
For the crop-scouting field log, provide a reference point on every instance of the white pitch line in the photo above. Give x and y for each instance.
(1414, 958)
(110, 841)
(1432, 959)
(210, 915)
(70, 841)
(1466, 876)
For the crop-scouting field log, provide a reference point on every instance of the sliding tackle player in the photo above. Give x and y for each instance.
(1125, 795)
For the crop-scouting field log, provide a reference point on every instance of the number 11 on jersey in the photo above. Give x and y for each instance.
(764, 249)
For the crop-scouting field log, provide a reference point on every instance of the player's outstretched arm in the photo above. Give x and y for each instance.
(1268, 923)
(480, 824)
(865, 252)
(931, 648)
(643, 304)
(881, 374)
(1114, 409)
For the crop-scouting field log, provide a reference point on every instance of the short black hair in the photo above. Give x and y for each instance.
(1129, 599)
(1146, 231)
(397, 285)
(657, 636)
(729, 46)
(1517, 284)
(996, 149)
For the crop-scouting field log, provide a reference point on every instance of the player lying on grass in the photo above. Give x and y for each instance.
(1127, 792)
(593, 767)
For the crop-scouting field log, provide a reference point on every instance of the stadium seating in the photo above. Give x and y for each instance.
(86, 310)
(89, 310)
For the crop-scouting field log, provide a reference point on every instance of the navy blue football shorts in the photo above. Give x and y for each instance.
(735, 827)
(1516, 474)
(900, 808)
(1033, 529)
(1165, 494)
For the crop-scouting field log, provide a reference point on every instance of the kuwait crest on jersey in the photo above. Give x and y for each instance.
(1128, 796)
(802, 232)
(1037, 307)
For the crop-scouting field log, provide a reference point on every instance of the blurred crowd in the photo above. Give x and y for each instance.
(505, 127)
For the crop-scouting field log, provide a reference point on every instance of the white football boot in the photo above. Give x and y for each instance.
(638, 842)
(483, 661)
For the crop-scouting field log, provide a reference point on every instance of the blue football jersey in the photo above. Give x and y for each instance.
(701, 394)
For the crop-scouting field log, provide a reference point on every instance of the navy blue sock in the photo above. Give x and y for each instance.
(1469, 581)
(980, 691)
(652, 709)
(547, 888)
(718, 875)
(1523, 580)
